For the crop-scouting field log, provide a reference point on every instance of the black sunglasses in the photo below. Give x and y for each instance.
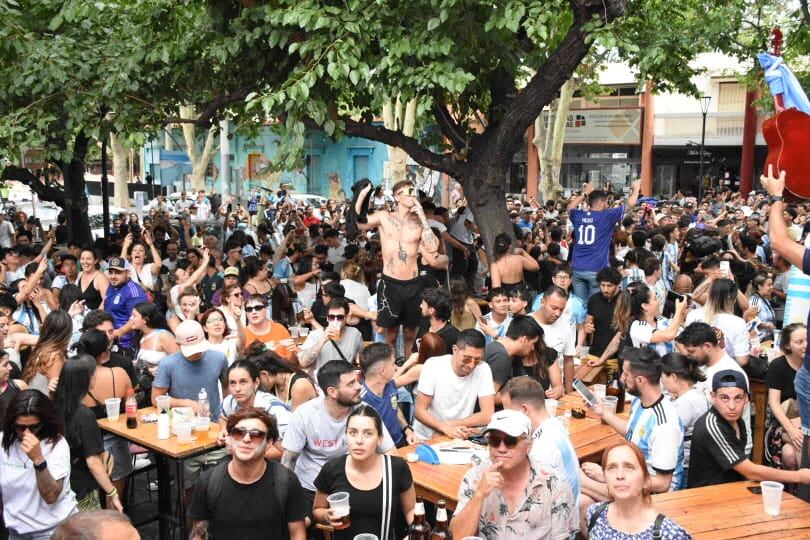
(335, 317)
(256, 435)
(495, 441)
(33, 428)
(259, 307)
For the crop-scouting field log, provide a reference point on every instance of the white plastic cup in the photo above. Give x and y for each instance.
(294, 332)
(183, 430)
(551, 407)
(339, 503)
(583, 352)
(163, 403)
(303, 331)
(164, 429)
(113, 405)
(366, 536)
(609, 403)
(772, 497)
(202, 423)
(599, 390)
(472, 538)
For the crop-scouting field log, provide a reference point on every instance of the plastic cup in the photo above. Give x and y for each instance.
(366, 536)
(609, 403)
(303, 331)
(183, 431)
(472, 538)
(772, 497)
(583, 352)
(294, 332)
(202, 424)
(551, 407)
(339, 503)
(113, 405)
(163, 403)
(599, 390)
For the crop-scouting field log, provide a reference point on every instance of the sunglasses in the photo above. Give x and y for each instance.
(259, 307)
(214, 320)
(237, 294)
(495, 441)
(335, 317)
(406, 191)
(33, 428)
(256, 435)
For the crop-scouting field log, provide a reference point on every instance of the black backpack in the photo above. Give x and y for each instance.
(600, 509)
(282, 480)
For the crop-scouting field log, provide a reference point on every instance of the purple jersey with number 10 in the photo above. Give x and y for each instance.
(593, 233)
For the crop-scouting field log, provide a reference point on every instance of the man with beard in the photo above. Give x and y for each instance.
(557, 333)
(601, 307)
(654, 427)
(249, 495)
(316, 432)
(122, 296)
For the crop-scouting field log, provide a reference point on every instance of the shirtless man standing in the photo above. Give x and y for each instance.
(404, 234)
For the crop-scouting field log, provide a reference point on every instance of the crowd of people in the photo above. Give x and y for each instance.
(325, 336)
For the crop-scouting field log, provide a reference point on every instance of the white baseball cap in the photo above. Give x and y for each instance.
(191, 338)
(513, 423)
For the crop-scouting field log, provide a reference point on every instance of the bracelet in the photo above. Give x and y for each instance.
(407, 427)
(113, 492)
(776, 198)
(41, 466)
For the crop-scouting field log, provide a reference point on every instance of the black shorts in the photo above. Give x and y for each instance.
(398, 302)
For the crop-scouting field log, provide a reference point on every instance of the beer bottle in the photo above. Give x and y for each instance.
(420, 530)
(441, 531)
(616, 388)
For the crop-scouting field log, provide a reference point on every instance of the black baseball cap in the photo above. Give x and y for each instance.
(729, 378)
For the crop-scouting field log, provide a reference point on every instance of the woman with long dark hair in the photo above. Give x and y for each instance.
(508, 265)
(430, 345)
(108, 382)
(637, 318)
(761, 288)
(156, 342)
(258, 277)
(680, 374)
(281, 305)
(88, 469)
(280, 378)
(49, 354)
(366, 474)
(218, 334)
(35, 465)
(541, 366)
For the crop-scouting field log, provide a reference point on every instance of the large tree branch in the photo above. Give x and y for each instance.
(447, 125)
(420, 154)
(805, 11)
(543, 87)
(44, 191)
(215, 105)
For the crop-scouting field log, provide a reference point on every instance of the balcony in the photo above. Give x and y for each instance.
(722, 128)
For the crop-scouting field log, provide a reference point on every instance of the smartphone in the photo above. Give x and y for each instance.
(669, 304)
(756, 490)
(585, 392)
(725, 268)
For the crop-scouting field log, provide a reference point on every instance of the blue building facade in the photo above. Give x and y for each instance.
(330, 167)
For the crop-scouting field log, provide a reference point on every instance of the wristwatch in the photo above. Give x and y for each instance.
(776, 198)
(41, 466)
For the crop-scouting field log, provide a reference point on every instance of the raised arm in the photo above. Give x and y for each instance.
(199, 273)
(157, 261)
(781, 241)
(635, 187)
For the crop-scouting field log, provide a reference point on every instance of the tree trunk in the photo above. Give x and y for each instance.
(120, 152)
(76, 198)
(398, 119)
(487, 199)
(200, 167)
(550, 139)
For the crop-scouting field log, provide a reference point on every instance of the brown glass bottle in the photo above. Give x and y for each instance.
(616, 388)
(441, 531)
(420, 529)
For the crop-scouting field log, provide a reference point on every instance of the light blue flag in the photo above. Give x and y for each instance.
(782, 81)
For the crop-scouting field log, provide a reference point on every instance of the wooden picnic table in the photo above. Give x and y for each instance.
(166, 451)
(730, 511)
(589, 436)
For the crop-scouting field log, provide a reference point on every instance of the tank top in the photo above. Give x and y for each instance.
(100, 409)
(90, 295)
(5, 398)
(150, 357)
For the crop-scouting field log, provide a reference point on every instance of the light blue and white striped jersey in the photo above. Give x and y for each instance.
(553, 448)
(658, 432)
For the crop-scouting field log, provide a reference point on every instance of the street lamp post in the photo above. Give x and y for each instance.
(704, 109)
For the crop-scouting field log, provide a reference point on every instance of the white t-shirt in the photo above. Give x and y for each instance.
(317, 437)
(144, 278)
(727, 362)
(690, 406)
(433, 224)
(459, 230)
(560, 337)
(6, 234)
(356, 291)
(454, 397)
(733, 328)
(307, 295)
(24, 509)
(641, 333)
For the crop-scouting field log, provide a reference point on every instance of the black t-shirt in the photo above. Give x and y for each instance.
(546, 272)
(500, 363)
(249, 511)
(602, 311)
(448, 333)
(780, 377)
(121, 361)
(366, 506)
(84, 439)
(210, 285)
(716, 449)
(519, 370)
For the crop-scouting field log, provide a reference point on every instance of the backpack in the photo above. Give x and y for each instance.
(282, 480)
(600, 509)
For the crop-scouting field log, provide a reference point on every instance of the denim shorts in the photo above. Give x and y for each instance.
(802, 383)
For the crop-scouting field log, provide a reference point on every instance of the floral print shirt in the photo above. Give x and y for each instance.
(547, 510)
